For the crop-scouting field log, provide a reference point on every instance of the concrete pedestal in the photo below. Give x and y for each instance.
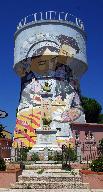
(46, 141)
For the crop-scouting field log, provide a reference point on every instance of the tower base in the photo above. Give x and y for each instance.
(46, 142)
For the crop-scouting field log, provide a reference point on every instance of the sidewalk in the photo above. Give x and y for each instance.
(50, 190)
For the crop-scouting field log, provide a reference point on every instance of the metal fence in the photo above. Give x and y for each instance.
(87, 153)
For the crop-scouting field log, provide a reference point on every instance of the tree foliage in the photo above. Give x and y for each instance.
(1, 129)
(101, 143)
(92, 109)
(97, 165)
(35, 157)
(23, 154)
(2, 164)
(101, 118)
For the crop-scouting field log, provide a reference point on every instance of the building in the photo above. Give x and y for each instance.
(87, 137)
(5, 140)
(6, 144)
(50, 58)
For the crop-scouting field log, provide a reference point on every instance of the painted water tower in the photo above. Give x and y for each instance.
(50, 58)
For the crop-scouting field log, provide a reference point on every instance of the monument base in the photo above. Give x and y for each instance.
(46, 142)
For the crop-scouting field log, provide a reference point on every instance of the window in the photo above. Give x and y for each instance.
(86, 135)
(89, 135)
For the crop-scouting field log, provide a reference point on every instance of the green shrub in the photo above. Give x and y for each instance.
(57, 156)
(72, 154)
(50, 157)
(69, 153)
(2, 164)
(97, 165)
(35, 157)
(23, 154)
(101, 143)
(40, 171)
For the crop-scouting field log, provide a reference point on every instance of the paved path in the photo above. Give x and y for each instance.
(50, 190)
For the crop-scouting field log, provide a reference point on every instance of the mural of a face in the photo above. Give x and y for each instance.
(46, 55)
(39, 64)
(42, 63)
(21, 71)
(70, 41)
(68, 49)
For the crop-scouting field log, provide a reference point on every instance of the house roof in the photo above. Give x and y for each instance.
(86, 125)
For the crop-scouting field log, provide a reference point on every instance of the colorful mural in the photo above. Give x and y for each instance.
(50, 65)
(47, 101)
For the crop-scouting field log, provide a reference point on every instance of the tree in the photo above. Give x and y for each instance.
(92, 109)
(97, 165)
(101, 143)
(101, 118)
(100, 148)
(1, 129)
(23, 154)
(2, 164)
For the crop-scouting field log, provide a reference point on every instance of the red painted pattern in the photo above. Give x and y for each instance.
(33, 121)
(26, 135)
(20, 122)
(19, 141)
(31, 115)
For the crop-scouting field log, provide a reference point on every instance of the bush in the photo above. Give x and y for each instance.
(35, 157)
(72, 154)
(97, 165)
(57, 156)
(23, 154)
(2, 164)
(50, 157)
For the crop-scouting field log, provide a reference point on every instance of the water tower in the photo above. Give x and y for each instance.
(50, 58)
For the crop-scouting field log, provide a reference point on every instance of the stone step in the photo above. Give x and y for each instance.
(50, 178)
(50, 185)
(56, 170)
(48, 172)
(50, 190)
(43, 166)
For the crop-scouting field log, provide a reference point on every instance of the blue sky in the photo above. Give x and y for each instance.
(12, 11)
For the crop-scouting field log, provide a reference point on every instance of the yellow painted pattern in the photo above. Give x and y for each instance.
(27, 122)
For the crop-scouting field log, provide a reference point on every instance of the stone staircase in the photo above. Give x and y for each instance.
(49, 177)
